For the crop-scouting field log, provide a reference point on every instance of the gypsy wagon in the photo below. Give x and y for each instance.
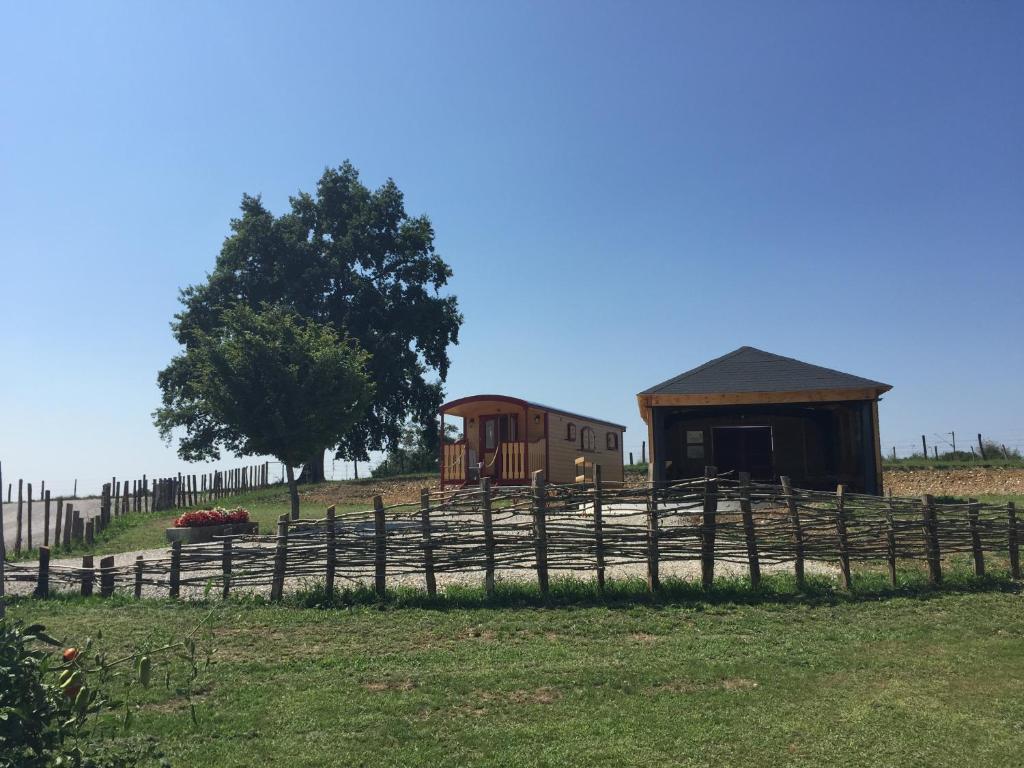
(506, 439)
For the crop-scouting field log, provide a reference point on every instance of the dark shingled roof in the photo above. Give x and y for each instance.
(753, 370)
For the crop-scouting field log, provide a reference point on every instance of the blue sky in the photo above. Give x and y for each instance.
(623, 191)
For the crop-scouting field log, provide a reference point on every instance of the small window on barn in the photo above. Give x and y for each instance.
(588, 441)
(570, 432)
(695, 443)
(612, 441)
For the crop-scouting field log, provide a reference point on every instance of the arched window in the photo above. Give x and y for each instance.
(612, 441)
(588, 441)
(570, 432)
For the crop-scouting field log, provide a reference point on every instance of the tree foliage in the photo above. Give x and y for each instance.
(346, 257)
(273, 383)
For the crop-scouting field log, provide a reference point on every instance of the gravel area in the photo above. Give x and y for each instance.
(89, 508)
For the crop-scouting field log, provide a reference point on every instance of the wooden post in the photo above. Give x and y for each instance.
(599, 527)
(428, 546)
(225, 567)
(68, 525)
(58, 523)
(17, 522)
(1011, 519)
(29, 526)
(748, 530)
(105, 504)
(540, 529)
(930, 526)
(107, 576)
(43, 582)
(890, 541)
(280, 559)
(981, 447)
(90, 533)
(139, 562)
(798, 532)
(979, 555)
(708, 524)
(332, 554)
(145, 494)
(845, 579)
(46, 518)
(87, 575)
(653, 555)
(380, 548)
(485, 489)
(77, 528)
(643, 452)
(175, 589)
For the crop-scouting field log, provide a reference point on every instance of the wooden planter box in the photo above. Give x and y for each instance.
(203, 533)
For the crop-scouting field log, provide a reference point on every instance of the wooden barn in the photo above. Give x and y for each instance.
(770, 416)
(506, 439)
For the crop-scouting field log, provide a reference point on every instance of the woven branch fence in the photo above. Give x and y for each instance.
(582, 528)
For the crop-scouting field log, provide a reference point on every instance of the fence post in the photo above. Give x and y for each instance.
(29, 519)
(798, 531)
(380, 545)
(331, 554)
(653, 579)
(46, 518)
(68, 525)
(707, 531)
(540, 529)
(845, 579)
(748, 530)
(890, 541)
(77, 528)
(225, 568)
(931, 539)
(87, 575)
(280, 559)
(485, 489)
(43, 582)
(17, 536)
(428, 547)
(599, 527)
(107, 576)
(90, 533)
(145, 494)
(1011, 519)
(175, 589)
(138, 576)
(58, 520)
(979, 555)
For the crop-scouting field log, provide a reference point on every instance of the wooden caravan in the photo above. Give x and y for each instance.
(507, 439)
(768, 415)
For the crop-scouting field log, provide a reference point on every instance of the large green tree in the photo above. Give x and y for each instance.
(353, 259)
(274, 383)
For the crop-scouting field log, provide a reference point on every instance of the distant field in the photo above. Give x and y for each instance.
(690, 679)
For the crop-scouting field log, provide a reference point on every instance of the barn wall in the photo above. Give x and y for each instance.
(818, 445)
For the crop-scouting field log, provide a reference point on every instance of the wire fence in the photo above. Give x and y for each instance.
(533, 530)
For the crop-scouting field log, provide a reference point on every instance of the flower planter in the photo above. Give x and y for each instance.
(202, 533)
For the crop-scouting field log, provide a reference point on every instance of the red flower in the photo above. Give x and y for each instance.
(215, 516)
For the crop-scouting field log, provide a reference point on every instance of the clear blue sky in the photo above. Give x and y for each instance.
(623, 191)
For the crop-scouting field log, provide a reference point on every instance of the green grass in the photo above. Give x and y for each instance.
(913, 676)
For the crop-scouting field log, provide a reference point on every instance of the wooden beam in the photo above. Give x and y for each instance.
(755, 398)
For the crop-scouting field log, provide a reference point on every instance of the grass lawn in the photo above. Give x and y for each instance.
(914, 677)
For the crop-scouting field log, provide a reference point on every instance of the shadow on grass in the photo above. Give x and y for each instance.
(570, 592)
(626, 593)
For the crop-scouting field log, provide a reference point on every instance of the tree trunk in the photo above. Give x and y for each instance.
(293, 490)
(313, 469)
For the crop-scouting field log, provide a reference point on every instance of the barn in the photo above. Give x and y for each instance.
(768, 415)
